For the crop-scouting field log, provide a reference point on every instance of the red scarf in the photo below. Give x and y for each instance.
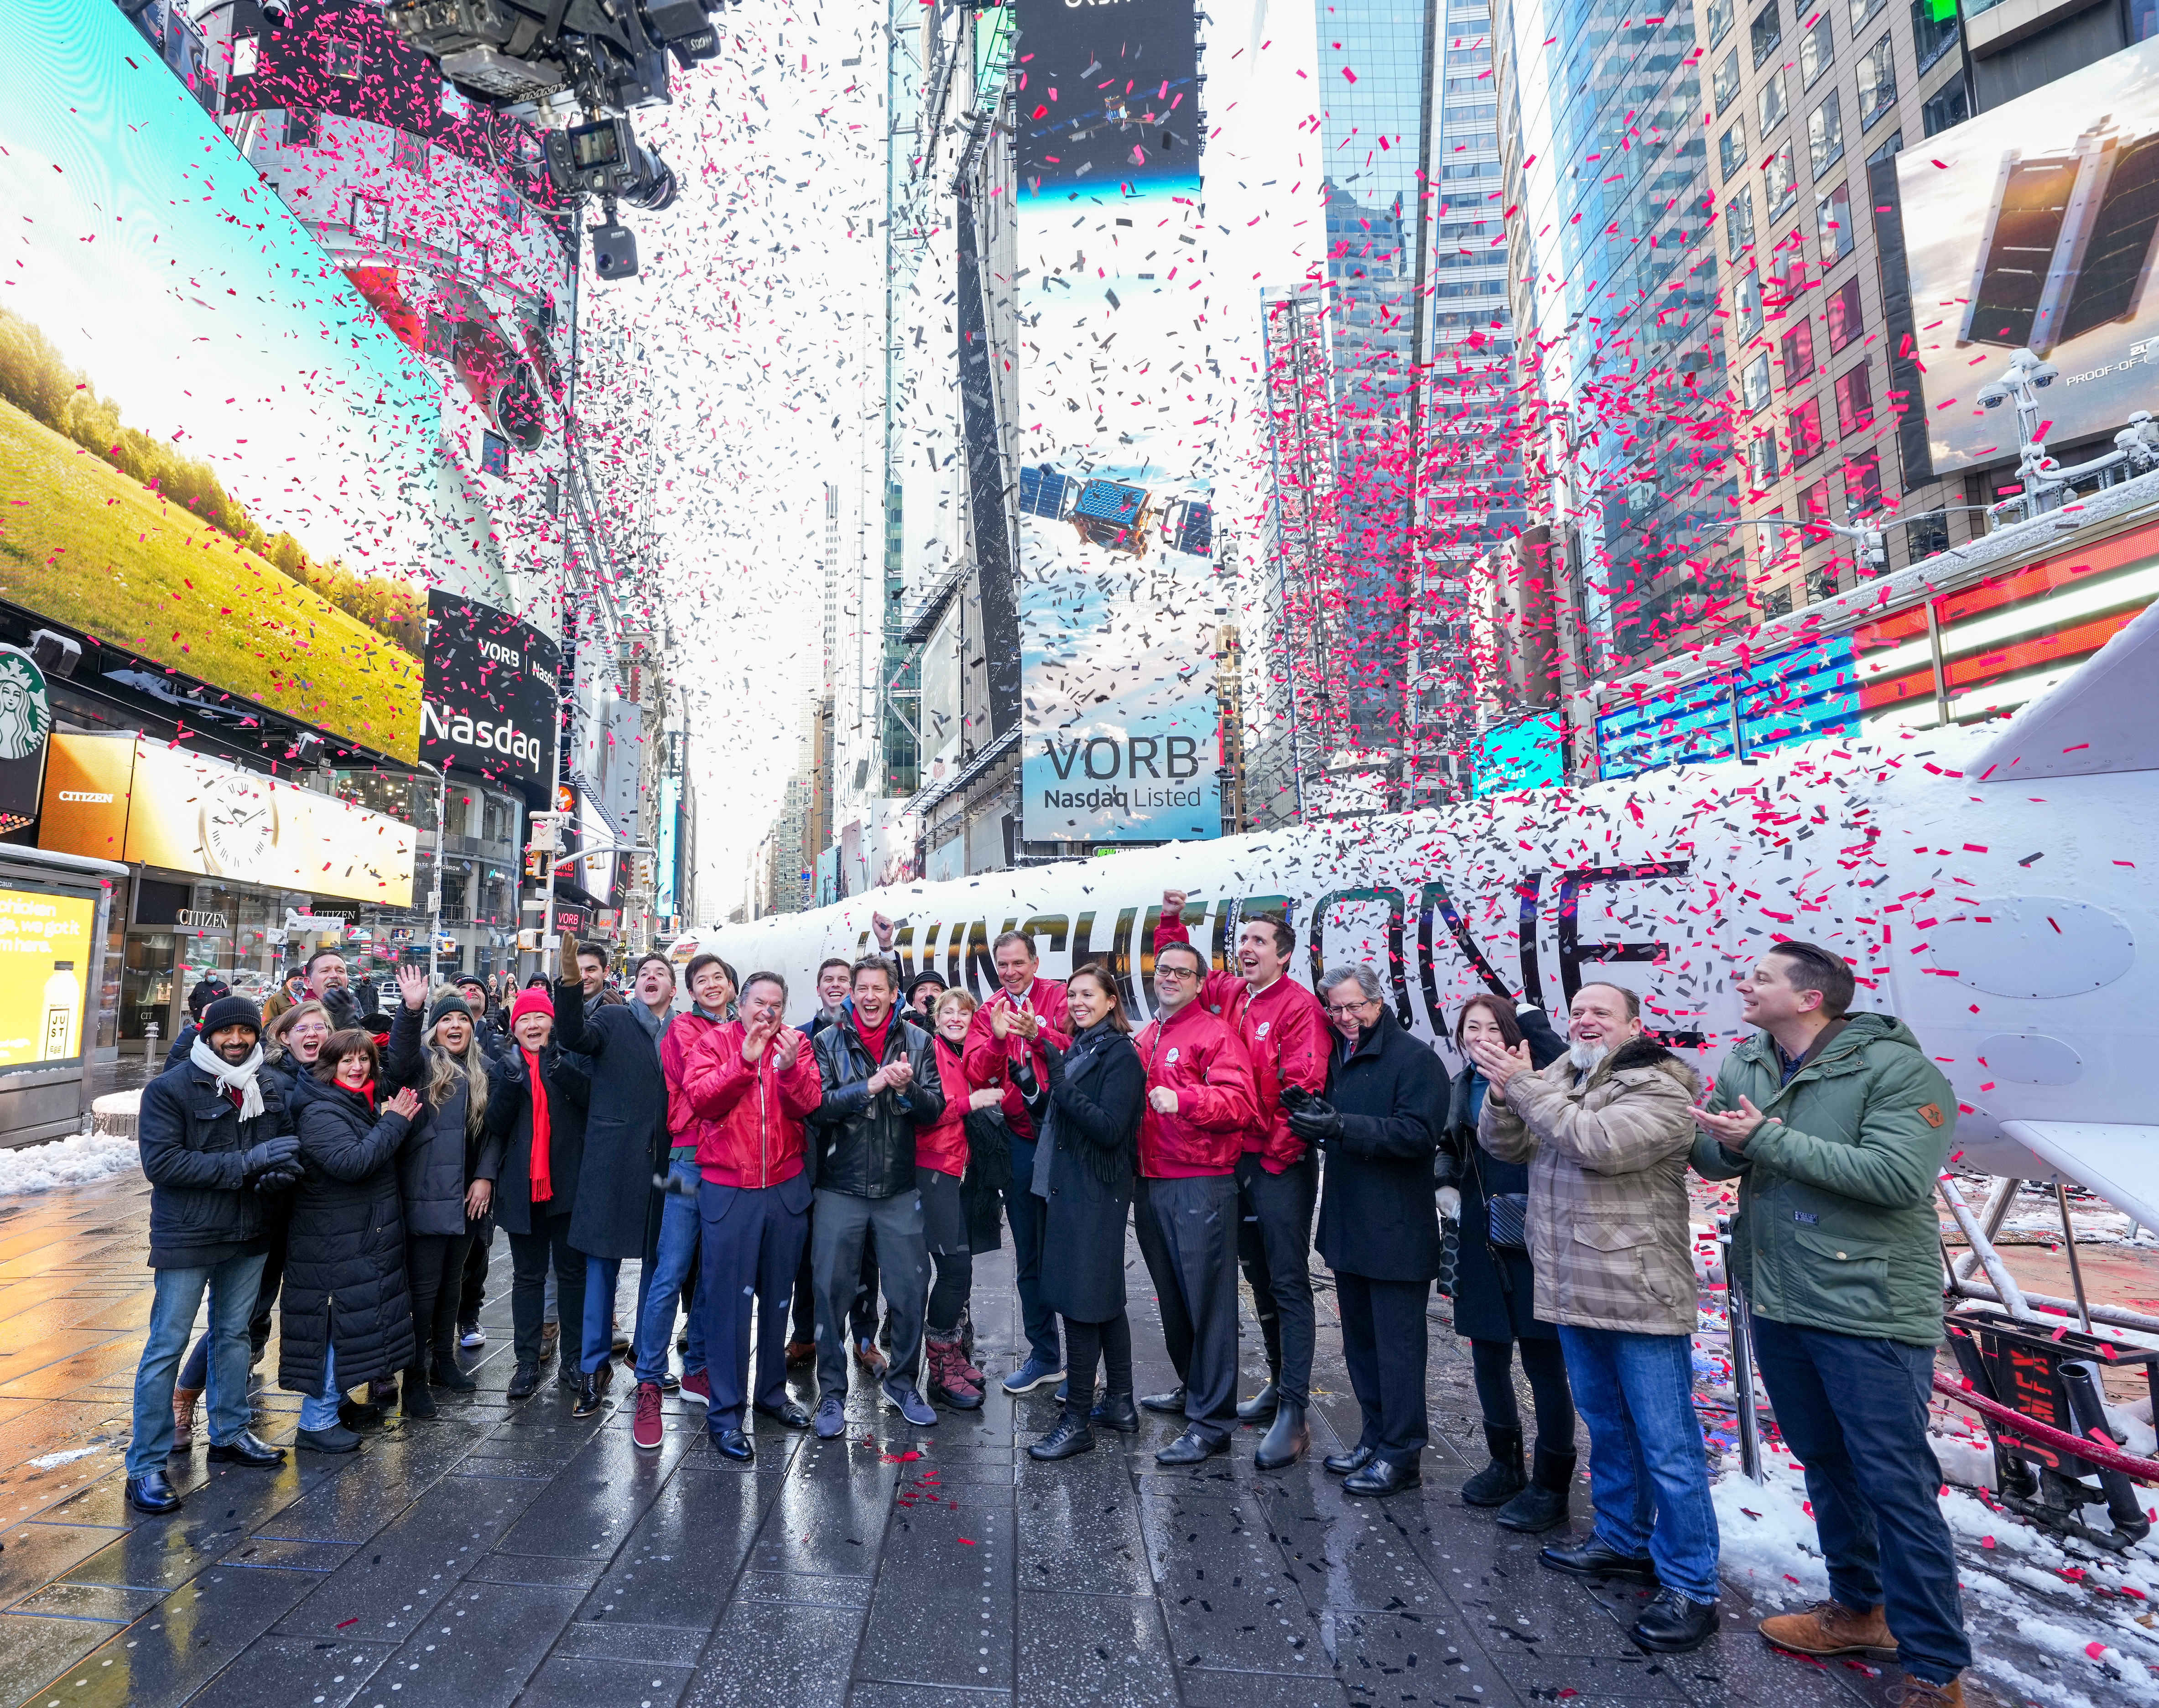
(365, 1090)
(874, 1041)
(543, 1179)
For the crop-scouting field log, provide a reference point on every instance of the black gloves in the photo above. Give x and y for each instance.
(1317, 1122)
(1023, 1075)
(280, 1178)
(271, 1154)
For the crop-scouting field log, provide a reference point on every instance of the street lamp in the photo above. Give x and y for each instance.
(2040, 478)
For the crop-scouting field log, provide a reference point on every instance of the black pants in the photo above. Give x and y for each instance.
(528, 1256)
(434, 1270)
(472, 1292)
(1195, 1240)
(748, 1243)
(1274, 1245)
(1383, 1342)
(1176, 1320)
(948, 1294)
(1546, 1366)
(1029, 1218)
(1085, 1342)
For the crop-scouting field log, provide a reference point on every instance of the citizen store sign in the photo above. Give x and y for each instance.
(491, 705)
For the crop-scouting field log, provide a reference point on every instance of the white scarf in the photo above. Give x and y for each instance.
(228, 1075)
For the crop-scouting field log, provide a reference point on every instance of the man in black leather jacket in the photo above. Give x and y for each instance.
(881, 1085)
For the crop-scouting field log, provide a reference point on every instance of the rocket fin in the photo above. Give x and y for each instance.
(2103, 718)
(2102, 1156)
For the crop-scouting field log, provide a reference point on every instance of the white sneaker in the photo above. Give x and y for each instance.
(473, 1335)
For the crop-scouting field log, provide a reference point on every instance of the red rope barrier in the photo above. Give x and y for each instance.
(2101, 1453)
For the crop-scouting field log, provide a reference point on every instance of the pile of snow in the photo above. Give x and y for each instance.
(73, 1162)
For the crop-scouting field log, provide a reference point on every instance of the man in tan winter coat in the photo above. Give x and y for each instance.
(1607, 1131)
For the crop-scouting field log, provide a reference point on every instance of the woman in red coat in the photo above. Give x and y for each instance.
(940, 1163)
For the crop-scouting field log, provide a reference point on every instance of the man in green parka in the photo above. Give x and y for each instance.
(1836, 1125)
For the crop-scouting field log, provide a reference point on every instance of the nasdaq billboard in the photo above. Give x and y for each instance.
(1118, 598)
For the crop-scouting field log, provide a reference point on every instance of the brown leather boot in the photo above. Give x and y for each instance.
(1829, 1627)
(1919, 1693)
(183, 1417)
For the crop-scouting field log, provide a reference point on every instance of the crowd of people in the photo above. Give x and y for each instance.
(348, 1168)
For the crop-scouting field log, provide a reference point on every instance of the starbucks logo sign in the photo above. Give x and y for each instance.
(26, 706)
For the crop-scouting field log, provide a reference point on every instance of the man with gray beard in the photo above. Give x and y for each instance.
(1607, 1132)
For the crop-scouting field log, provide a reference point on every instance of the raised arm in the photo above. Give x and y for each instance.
(571, 1031)
(1215, 988)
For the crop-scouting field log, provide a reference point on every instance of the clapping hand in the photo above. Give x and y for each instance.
(1499, 1065)
(405, 1102)
(791, 1045)
(413, 985)
(759, 1032)
(1730, 1128)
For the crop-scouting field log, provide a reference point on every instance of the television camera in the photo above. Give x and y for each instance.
(591, 62)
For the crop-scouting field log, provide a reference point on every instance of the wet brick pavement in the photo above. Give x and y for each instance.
(505, 1554)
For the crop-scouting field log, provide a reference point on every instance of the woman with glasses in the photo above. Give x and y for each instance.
(292, 1043)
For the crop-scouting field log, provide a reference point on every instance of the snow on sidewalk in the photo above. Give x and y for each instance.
(70, 1161)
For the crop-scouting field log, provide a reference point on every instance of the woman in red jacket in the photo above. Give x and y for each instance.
(941, 1163)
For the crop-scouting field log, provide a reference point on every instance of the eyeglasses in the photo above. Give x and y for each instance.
(1177, 972)
(1350, 1010)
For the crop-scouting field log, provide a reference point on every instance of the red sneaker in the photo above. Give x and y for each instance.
(698, 1388)
(645, 1431)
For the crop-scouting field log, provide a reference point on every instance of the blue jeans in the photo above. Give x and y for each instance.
(232, 1287)
(1649, 1479)
(674, 1269)
(321, 1411)
(1834, 1393)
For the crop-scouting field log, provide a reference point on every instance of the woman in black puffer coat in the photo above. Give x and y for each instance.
(347, 1316)
(1090, 1122)
(1494, 1289)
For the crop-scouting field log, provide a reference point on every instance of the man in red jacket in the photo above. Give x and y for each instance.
(749, 1083)
(1284, 1031)
(1025, 1014)
(1200, 1101)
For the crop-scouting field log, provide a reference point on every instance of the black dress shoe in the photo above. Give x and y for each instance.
(1673, 1624)
(1261, 1407)
(1286, 1440)
(734, 1444)
(1172, 1401)
(243, 1449)
(1342, 1464)
(1592, 1558)
(1070, 1436)
(525, 1383)
(1116, 1411)
(1191, 1447)
(1383, 1476)
(152, 1493)
(589, 1392)
(788, 1417)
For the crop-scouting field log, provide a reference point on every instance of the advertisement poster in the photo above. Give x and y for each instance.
(2032, 226)
(212, 452)
(1116, 432)
(492, 705)
(123, 798)
(45, 942)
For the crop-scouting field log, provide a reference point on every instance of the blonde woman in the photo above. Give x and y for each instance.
(446, 1171)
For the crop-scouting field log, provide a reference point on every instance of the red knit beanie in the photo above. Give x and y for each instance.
(533, 1001)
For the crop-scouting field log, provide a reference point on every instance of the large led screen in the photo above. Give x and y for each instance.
(212, 452)
(1117, 433)
(2032, 226)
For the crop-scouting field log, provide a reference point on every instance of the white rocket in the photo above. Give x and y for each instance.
(1990, 885)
